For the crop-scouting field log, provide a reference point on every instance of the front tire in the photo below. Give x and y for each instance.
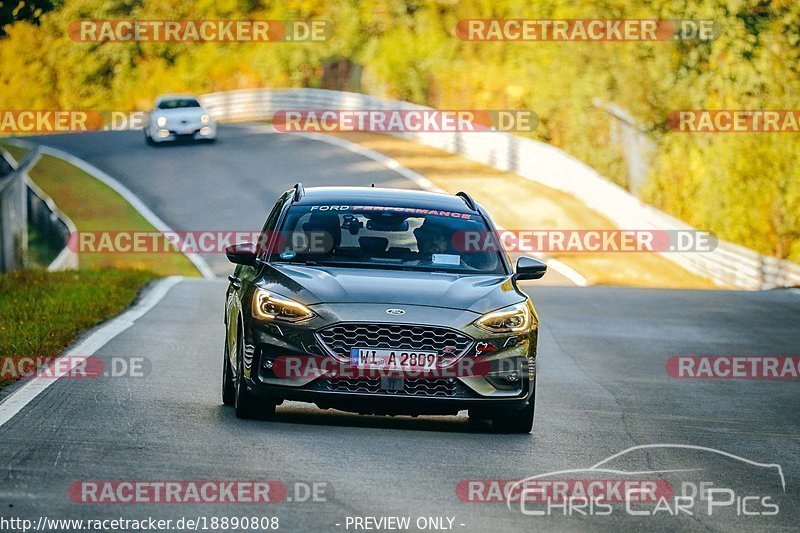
(477, 416)
(519, 421)
(228, 383)
(246, 404)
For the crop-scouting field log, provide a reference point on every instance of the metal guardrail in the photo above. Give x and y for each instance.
(30, 205)
(13, 215)
(729, 265)
(44, 215)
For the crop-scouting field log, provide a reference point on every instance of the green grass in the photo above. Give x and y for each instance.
(94, 206)
(41, 251)
(15, 151)
(41, 312)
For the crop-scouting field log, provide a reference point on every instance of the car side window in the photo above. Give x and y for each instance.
(269, 225)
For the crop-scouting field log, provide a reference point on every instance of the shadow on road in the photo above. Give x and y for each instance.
(293, 413)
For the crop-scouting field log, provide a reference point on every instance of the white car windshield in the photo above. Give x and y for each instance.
(178, 103)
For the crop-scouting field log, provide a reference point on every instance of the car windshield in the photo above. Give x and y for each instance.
(178, 103)
(385, 237)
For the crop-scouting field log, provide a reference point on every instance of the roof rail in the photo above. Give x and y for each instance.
(467, 200)
(298, 192)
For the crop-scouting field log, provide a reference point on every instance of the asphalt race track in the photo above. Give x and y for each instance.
(602, 385)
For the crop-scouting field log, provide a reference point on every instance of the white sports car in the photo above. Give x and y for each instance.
(179, 116)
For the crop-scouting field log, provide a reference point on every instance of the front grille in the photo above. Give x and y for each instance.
(353, 384)
(441, 388)
(430, 387)
(339, 339)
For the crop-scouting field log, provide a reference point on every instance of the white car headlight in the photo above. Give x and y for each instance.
(269, 307)
(161, 121)
(205, 119)
(512, 319)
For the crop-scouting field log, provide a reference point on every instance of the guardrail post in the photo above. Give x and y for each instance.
(13, 216)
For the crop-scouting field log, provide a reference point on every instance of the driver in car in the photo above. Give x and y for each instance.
(430, 240)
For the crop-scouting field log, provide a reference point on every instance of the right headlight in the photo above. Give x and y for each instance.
(512, 319)
(268, 307)
(161, 121)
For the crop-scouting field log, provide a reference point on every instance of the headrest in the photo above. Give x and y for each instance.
(324, 223)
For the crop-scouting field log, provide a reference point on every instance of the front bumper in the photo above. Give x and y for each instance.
(324, 383)
(193, 131)
(390, 404)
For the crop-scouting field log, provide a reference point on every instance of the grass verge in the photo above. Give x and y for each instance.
(41, 312)
(15, 151)
(517, 203)
(41, 251)
(94, 206)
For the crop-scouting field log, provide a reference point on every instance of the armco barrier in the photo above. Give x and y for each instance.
(728, 265)
(53, 224)
(13, 231)
(41, 212)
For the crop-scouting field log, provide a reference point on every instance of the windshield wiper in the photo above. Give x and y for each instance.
(362, 265)
(350, 264)
(381, 266)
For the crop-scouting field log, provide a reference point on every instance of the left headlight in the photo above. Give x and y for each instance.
(205, 119)
(512, 319)
(268, 307)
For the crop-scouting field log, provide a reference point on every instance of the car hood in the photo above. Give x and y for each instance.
(314, 285)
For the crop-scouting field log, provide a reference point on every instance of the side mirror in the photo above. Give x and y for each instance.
(529, 268)
(242, 253)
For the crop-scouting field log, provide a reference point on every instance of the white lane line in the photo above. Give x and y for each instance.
(123, 191)
(424, 183)
(568, 272)
(87, 347)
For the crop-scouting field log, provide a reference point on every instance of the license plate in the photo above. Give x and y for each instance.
(381, 359)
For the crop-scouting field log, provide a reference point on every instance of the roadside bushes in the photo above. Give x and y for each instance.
(743, 186)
